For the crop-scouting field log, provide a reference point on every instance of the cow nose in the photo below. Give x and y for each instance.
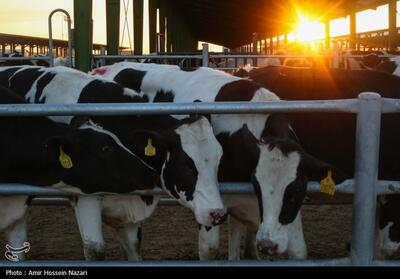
(268, 247)
(218, 216)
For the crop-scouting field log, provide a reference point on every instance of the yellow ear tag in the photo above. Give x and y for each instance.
(327, 185)
(65, 160)
(150, 150)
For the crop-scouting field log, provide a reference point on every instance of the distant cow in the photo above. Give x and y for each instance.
(338, 130)
(261, 148)
(38, 151)
(184, 152)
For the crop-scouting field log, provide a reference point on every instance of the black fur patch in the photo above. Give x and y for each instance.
(164, 97)
(99, 91)
(148, 199)
(241, 90)
(130, 78)
(257, 190)
(293, 197)
(22, 81)
(41, 84)
(6, 74)
(387, 67)
(188, 69)
(180, 171)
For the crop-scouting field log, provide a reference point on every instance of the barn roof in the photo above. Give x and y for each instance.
(232, 22)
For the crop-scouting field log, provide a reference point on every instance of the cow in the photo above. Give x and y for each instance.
(326, 84)
(261, 148)
(57, 61)
(41, 152)
(184, 152)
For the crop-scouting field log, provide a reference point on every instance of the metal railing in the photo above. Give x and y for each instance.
(368, 107)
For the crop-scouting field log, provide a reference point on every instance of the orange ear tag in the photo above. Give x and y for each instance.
(150, 150)
(327, 185)
(65, 160)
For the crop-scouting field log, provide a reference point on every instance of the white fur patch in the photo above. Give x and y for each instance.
(199, 143)
(12, 209)
(274, 173)
(128, 209)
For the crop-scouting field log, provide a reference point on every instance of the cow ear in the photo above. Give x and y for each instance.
(318, 170)
(147, 143)
(197, 115)
(60, 149)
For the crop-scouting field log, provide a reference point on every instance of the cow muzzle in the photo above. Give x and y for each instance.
(268, 247)
(218, 216)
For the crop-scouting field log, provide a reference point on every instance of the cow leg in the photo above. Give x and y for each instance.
(129, 237)
(88, 216)
(236, 230)
(250, 250)
(16, 235)
(297, 248)
(208, 242)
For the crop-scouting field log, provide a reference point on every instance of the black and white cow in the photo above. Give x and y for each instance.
(261, 148)
(38, 151)
(324, 84)
(184, 152)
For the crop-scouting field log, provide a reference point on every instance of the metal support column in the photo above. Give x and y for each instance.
(82, 33)
(138, 26)
(366, 175)
(153, 25)
(170, 19)
(162, 14)
(327, 34)
(392, 25)
(113, 22)
(206, 55)
(353, 29)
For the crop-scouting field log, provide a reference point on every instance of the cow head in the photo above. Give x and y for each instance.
(188, 158)
(388, 238)
(94, 160)
(280, 181)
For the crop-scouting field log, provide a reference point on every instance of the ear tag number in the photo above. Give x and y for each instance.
(327, 185)
(150, 150)
(65, 160)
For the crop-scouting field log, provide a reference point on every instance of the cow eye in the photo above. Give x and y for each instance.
(107, 149)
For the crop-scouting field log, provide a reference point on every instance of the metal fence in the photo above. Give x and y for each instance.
(368, 107)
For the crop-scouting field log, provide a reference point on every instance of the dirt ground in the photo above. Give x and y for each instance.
(171, 234)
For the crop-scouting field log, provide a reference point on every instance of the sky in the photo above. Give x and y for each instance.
(29, 17)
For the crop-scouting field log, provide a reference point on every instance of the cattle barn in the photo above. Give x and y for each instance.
(258, 133)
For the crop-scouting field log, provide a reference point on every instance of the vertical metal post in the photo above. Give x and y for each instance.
(162, 14)
(327, 34)
(113, 22)
(138, 26)
(393, 35)
(83, 33)
(153, 25)
(353, 29)
(102, 60)
(206, 55)
(366, 175)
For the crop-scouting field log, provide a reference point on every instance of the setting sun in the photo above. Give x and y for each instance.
(309, 30)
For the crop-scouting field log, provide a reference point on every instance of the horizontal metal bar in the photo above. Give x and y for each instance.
(25, 58)
(390, 105)
(147, 57)
(243, 263)
(347, 187)
(349, 106)
(249, 56)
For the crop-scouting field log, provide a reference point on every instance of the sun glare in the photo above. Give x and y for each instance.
(309, 30)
